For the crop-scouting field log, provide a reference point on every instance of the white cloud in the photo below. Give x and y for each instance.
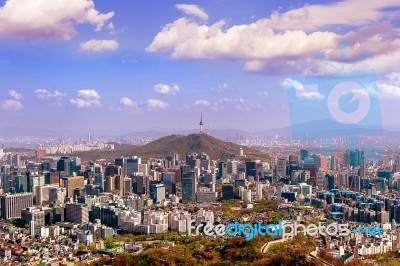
(11, 105)
(89, 94)
(389, 91)
(82, 103)
(288, 42)
(97, 46)
(45, 94)
(263, 93)
(166, 89)
(312, 17)
(309, 92)
(14, 94)
(42, 18)
(223, 87)
(156, 104)
(238, 104)
(86, 98)
(125, 101)
(204, 103)
(394, 77)
(187, 39)
(192, 10)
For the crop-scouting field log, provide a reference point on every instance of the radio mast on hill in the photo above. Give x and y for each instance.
(201, 123)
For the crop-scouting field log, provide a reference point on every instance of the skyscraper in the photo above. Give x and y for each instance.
(281, 167)
(320, 180)
(303, 154)
(121, 161)
(132, 165)
(353, 157)
(72, 183)
(232, 167)
(222, 170)
(189, 186)
(251, 169)
(13, 204)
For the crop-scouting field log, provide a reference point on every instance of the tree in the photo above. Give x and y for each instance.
(109, 242)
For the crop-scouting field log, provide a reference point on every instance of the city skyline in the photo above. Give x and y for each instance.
(115, 68)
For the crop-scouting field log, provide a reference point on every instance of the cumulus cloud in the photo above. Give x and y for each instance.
(156, 104)
(390, 88)
(166, 89)
(89, 94)
(204, 103)
(389, 91)
(41, 18)
(11, 105)
(187, 39)
(98, 46)
(86, 98)
(125, 101)
(308, 92)
(14, 94)
(311, 17)
(45, 94)
(192, 10)
(288, 42)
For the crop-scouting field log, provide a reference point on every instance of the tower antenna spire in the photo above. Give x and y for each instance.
(201, 123)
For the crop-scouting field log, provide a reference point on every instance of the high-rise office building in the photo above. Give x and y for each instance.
(119, 185)
(109, 184)
(140, 184)
(113, 170)
(321, 162)
(52, 178)
(15, 160)
(304, 154)
(35, 218)
(157, 192)
(362, 165)
(127, 185)
(330, 181)
(13, 204)
(251, 169)
(353, 157)
(189, 186)
(73, 182)
(169, 182)
(121, 161)
(232, 167)
(76, 213)
(334, 163)
(132, 165)
(281, 167)
(21, 182)
(57, 195)
(320, 180)
(222, 170)
(227, 192)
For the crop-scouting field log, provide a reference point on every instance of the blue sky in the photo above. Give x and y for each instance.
(121, 66)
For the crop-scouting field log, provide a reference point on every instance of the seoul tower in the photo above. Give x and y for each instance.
(201, 123)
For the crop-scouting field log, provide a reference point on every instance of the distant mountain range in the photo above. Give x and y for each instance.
(181, 144)
(312, 129)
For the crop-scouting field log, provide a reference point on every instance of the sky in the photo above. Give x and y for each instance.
(114, 67)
